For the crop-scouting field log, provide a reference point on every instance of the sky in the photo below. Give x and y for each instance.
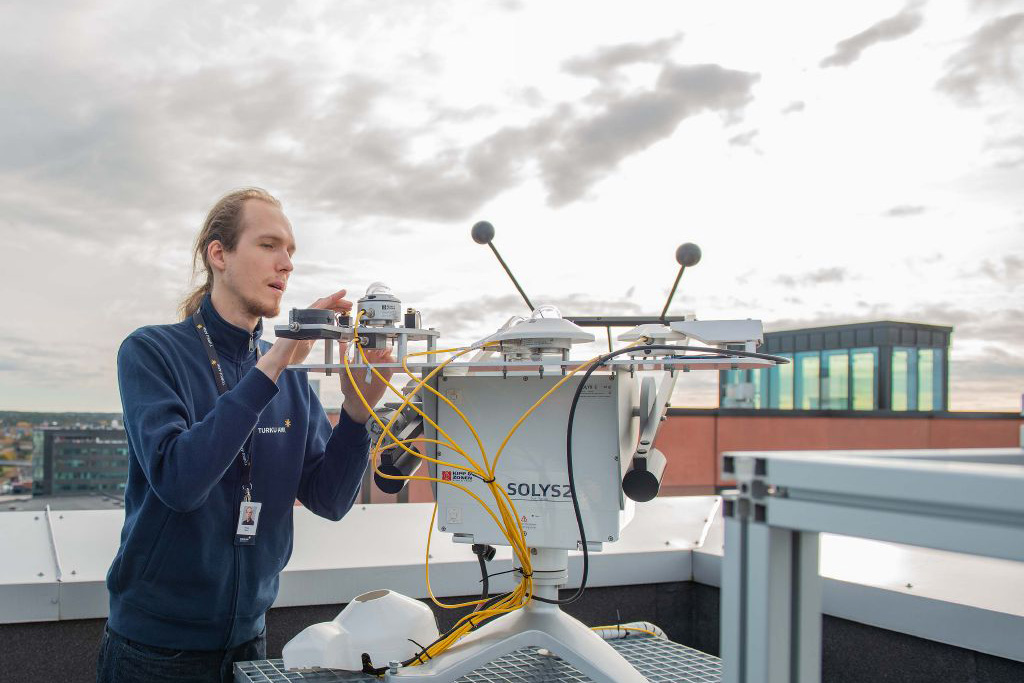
(836, 163)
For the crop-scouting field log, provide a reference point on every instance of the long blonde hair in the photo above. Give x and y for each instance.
(223, 224)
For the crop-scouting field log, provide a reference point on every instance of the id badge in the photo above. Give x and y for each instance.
(248, 520)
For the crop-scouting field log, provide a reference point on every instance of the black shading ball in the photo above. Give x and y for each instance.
(483, 232)
(688, 254)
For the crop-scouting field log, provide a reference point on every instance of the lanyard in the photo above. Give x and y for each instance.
(222, 388)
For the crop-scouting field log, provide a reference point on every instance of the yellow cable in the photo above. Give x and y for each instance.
(469, 425)
(376, 373)
(386, 428)
(521, 595)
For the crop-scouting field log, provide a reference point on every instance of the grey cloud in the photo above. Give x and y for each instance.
(993, 56)
(988, 379)
(607, 59)
(849, 50)
(1009, 270)
(794, 107)
(744, 139)
(904, 210)
(581, 153)
(815, 277)
(1007, 150)
(98, 152)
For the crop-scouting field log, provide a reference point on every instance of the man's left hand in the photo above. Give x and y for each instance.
(372, 391)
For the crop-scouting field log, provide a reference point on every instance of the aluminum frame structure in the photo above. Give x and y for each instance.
(967, 501)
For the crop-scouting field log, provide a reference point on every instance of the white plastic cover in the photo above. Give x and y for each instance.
(382, 623)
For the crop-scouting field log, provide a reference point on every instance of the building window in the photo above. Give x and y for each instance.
(780, 384)
(835, 380)
(807, 381)
(904, 378)
(929, 379)
(864, 369)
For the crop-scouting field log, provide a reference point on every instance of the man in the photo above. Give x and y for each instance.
(216, 429)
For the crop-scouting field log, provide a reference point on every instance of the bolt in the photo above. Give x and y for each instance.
(39, 574)
(533, 551)
(611, 538)
(910, 585)
(444, 528)
(393, 667)
(526, 379)
(73, 572)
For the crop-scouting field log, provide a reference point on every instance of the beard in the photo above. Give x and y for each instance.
(259, 309)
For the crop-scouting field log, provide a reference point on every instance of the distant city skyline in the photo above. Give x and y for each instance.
(836, 163)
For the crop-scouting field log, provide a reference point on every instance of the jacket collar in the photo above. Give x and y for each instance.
(230, 340)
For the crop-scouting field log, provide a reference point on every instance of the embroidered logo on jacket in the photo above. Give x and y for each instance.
(275, 430)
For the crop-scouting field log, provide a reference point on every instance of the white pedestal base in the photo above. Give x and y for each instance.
(538, 624)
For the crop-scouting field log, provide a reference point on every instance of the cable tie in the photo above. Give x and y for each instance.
(423, 650)
(487, 481)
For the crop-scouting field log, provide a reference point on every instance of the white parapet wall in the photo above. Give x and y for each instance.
(54, 568)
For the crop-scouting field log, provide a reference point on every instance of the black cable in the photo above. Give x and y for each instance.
(483, 573)
(726, 353)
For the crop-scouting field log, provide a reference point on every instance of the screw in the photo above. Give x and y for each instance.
(73, 572)
(444, 528)
(525, 379)
(910, 585)
(610, 538)
(533, 551)
(668, 543)
(39, 574)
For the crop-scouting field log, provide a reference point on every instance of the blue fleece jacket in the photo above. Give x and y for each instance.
(178, 580)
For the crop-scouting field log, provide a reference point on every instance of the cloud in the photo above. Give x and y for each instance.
(816, 277)
(993, 56)
(745, 139)
(1008, 151)
(904, 210)
(900, 25)
(141, 152)
(1008, 271)
(577, 154)
(604, 60)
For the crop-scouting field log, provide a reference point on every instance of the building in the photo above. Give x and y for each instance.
(876, 366)
(77, 461)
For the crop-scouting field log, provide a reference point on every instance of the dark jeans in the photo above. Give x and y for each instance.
(126, 661)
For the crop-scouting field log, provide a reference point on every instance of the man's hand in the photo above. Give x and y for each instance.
(372, 391)
(287, 352)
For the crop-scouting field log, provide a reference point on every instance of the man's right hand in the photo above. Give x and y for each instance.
(287, 352)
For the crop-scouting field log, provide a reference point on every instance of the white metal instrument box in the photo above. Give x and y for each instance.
(532, 469)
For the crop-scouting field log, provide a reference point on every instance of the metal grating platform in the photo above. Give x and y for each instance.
(661, 661)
